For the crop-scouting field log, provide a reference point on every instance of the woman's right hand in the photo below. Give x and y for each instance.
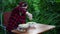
(29, 15)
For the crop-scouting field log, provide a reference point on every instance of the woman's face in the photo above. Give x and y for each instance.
(25, 7)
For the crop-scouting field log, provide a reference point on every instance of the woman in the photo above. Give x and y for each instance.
(18, 16)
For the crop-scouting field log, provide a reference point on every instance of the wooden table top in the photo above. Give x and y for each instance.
(39, 29)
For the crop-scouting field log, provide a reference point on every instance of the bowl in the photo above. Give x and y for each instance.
(22, 27)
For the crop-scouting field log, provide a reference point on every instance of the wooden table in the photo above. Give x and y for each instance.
(39, 29)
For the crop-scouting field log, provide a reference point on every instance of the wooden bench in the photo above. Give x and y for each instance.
(40, 28)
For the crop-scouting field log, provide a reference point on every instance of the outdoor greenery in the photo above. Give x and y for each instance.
(44, 11)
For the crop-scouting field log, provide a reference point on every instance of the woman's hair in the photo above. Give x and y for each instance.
(23, 4)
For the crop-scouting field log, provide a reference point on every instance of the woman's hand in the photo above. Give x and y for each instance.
(29, 15)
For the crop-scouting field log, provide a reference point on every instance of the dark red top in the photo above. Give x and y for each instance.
(18, 16)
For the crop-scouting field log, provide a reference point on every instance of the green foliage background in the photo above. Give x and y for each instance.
(44, 11)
